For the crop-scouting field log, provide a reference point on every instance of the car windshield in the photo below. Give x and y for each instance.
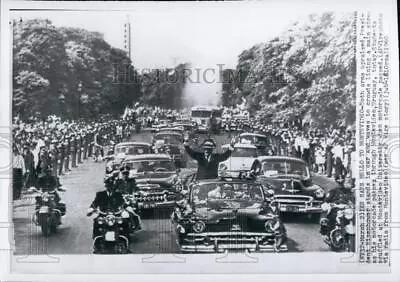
(151, 166)
(279, 167)
(244, 152)
(201, 114)
(168, 138)
(132, 149)
(220, 191)
(251, 139)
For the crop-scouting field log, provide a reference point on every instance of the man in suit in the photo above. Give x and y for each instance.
(207, 160)
(109, 199)
(106, 200)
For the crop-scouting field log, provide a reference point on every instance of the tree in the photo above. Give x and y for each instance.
(307, 73)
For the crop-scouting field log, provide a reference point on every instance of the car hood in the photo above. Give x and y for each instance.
(162, 178)
(237, 163)
(290, 185)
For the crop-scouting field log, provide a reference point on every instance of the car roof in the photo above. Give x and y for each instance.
(147, 157)
(132, 143)
(243, 145)
(170, 132)
(251, 134)
(266, 158)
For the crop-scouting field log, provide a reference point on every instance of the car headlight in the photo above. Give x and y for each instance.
(270, 192)
(348, 213)
(325, 207)
(199, 226)
(271, 225)
(120, 220)
(222, 167)
(125, 214)
(319, 193)
(110, 220)
(100, 220)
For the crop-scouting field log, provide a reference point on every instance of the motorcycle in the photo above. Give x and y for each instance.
(48, 212)
(111, 231)
(341, 236)
(130, 206)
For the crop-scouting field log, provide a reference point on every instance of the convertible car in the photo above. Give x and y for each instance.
(228, 214)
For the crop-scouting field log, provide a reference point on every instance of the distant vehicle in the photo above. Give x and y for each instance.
(242, 159)
(218, 215)
(156, 178)
(291, 180)
(261, 141)
(207, 118)
(121, 150)
(170, 142)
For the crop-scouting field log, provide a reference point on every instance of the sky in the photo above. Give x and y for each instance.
(202, 34)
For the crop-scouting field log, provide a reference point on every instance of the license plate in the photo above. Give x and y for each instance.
(292, 209)
(110, 236)
(149, 206)
(44, 210)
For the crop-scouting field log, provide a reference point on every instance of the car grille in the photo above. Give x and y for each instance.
(227, 237)
(154, 197)
(293, 199)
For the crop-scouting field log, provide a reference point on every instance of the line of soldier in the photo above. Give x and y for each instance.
(62, 150)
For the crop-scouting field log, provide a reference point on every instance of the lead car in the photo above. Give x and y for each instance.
(228, 214)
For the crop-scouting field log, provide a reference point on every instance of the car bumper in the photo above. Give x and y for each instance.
(221, 242)
(299, 209)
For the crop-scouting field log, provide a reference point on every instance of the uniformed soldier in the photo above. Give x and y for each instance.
(67, 145)
(74, 146)
(61, 154)
(79, 148)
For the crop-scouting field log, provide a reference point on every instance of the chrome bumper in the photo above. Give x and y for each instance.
(220, 242)
(283, 207)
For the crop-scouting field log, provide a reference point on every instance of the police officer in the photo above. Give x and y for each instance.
(125, 184)
(343, 194)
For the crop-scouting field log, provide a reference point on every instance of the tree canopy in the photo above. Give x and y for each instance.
(306, 73)
(75, 73)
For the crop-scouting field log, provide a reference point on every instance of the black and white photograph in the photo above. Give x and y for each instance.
(197, 130)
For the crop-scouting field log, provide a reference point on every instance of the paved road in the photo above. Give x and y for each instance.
(157, 236)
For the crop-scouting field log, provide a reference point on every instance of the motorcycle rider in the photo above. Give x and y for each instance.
(127, 185)
(48, 182)
(108, 200)
(207, 161)
(343, 194)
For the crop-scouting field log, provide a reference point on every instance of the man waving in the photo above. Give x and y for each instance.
(207, 160)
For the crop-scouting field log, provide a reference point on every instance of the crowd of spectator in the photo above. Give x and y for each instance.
(59, 145)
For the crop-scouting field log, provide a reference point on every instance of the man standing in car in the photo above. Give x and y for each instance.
(207, 160)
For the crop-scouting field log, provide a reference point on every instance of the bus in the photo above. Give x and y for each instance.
(207, 118)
